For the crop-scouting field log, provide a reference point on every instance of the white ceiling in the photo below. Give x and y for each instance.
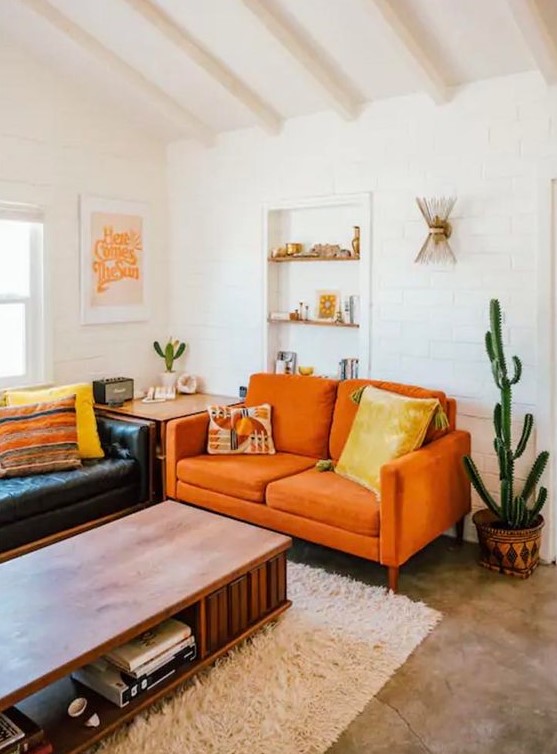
(276, 59)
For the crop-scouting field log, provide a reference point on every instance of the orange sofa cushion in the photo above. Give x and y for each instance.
(327, 498)
(302, 410)
(243, 476)
(345, 410)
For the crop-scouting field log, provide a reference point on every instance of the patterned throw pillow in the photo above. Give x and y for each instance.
(87, 434)
(38, 438)
(240, 430)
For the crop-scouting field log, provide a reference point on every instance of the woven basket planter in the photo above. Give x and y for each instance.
(515, 552)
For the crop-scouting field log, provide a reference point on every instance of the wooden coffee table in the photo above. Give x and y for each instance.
(69, 603)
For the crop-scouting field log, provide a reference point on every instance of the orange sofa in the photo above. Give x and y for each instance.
(422, 494)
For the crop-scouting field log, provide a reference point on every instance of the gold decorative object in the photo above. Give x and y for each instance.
(356, 242)
(293, 249)
(436, 248)
(326, 250)
(306, 371)
(278, 252)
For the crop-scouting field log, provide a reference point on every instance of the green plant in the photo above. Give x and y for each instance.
(172, 351)
(513, 510)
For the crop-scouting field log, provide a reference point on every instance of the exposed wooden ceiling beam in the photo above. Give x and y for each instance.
(537, 36)
(339, 91)
(106, 57)
(185, 42)
(431, 78)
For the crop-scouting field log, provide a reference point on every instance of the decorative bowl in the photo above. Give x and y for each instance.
(306, 371)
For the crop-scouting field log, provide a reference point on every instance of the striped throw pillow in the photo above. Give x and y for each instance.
(38, 438)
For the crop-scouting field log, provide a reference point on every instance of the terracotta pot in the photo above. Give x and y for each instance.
(515, 552)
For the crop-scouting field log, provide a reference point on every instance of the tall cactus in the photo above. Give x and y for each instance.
(513, 510)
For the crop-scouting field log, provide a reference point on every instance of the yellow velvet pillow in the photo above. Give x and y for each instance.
(386, 426)
(87, 434)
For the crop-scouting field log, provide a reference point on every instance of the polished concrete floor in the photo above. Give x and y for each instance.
(484, 682)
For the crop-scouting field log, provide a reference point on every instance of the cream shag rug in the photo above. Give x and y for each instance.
(297, 684)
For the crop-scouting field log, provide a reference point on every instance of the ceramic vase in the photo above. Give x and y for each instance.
(168, 379)
(356, 242)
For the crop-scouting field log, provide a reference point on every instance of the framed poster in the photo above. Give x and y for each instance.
(114, 259)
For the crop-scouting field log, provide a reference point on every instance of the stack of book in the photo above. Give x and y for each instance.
(352, 310)
(20, 735)
(130, 670)
(348, 369)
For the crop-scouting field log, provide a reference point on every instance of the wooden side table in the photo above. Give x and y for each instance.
(160, 414)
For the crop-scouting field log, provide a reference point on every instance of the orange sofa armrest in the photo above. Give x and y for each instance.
(184, 438)
(422, 495)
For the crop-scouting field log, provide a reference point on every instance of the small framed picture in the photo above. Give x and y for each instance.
(328, 303)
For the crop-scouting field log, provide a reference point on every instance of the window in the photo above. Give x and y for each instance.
(22, 351)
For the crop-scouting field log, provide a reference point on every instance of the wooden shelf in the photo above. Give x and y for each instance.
(277, 260)
(312, 322)
(70, 736)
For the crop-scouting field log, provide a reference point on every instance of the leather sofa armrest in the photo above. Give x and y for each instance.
(184, 438)
(133, 439)
(422, 495)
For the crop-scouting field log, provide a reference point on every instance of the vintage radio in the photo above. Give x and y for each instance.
(113, 390)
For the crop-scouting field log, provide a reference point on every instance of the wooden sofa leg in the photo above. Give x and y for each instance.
(460, 531)
(393, 578)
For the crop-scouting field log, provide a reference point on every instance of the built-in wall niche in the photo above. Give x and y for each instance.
(295, 282)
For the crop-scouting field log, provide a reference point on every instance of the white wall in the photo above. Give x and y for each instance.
(427, 323)
(55, 144)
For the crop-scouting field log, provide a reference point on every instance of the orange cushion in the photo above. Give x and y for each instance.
(327, 498)
(302, 410)
(345, 410)
(243, 476)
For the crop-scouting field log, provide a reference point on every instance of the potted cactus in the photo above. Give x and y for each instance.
(171, 352)
(509, 529)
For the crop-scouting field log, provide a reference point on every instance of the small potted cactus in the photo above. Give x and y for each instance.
(171, 352)
(509, 529)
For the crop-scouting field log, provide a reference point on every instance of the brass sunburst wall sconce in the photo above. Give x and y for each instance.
(436, 248)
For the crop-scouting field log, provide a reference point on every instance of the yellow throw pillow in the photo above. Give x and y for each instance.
(87, 433)
(386, 426)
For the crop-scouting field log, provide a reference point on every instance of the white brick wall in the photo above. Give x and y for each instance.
(56, 143)
(427, 323)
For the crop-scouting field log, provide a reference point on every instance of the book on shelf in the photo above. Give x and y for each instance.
(162, 659)
(354, 309)
(150, 677)
(121, 688)
(33, 734)
(149, 645)
(348, 369)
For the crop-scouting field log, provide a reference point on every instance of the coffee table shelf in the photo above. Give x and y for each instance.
(70, 735)
(83, 596)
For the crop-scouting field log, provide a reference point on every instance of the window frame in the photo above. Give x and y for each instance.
(34, 303)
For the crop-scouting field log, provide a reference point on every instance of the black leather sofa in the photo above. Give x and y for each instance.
(41, 507)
